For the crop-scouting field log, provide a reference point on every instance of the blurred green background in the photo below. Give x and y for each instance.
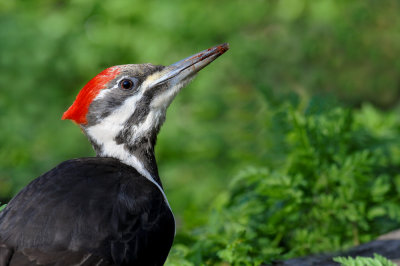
(295, 52)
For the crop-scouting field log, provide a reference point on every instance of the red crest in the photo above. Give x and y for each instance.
(78, 110)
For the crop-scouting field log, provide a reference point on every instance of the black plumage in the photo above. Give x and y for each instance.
(87, 211)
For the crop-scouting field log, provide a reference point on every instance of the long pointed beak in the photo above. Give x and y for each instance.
(191, 65)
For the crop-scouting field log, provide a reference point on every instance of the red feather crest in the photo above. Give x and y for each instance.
(78, 110)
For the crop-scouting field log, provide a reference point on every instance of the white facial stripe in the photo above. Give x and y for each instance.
(153, 119)
(110, 126)
(103, 93)
(158, 108)
(104, 133)
(163, 100)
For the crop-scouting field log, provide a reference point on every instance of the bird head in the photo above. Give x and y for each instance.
(122, 109)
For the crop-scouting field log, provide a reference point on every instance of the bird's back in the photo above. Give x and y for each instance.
(90, 211)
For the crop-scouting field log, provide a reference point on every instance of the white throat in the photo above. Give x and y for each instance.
(104, 134)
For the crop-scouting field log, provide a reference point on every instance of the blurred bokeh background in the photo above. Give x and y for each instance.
(284, 54)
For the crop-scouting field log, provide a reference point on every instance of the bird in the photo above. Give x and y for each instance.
(110, 209)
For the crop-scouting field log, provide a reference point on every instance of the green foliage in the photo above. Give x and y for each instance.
(2, 206)
(338, 187)
(305, 179)
(363, 261)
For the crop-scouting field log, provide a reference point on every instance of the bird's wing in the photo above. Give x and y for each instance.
(87, 208)
(35, 257)
(5, 254)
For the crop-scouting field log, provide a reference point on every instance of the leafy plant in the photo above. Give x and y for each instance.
(338, 187)
(377, 260)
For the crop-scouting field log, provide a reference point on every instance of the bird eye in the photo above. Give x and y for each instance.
(126, 84)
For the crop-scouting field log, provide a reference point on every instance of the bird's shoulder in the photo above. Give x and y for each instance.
(35, 257)
(91, 175)
(87, 180)
(96, 205)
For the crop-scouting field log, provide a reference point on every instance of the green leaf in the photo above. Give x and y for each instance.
(364, 261)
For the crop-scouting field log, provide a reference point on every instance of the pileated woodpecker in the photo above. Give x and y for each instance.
(110, 209)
